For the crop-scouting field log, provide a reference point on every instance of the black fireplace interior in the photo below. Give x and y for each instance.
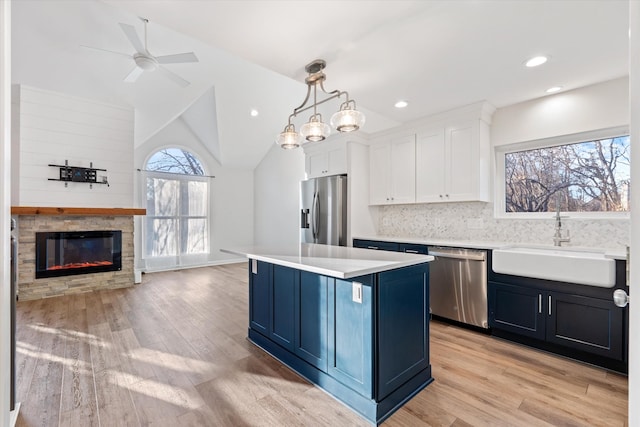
(77, 252)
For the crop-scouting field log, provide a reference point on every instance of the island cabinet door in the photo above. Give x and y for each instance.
(282, 321)
(350, 333)
(260, 274)
(403, 328)
(311, 319)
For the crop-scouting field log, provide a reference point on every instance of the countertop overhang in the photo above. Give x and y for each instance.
(335, 261)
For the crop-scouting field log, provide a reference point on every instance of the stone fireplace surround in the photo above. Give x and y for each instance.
(31, 220)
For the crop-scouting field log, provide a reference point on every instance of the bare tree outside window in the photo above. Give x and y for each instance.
(175, 160)
(591, 176)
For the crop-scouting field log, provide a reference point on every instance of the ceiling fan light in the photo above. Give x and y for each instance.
(289, 138)
(347, 119)
(315, 129)
(147, 63)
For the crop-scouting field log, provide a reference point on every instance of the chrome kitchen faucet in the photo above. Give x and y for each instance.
(557, 237)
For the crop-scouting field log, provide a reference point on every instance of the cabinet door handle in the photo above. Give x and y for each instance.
(372, 247)
(549, 305)
(411, 251)
(540, 303)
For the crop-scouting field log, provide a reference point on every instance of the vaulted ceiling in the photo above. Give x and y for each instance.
(437, 54)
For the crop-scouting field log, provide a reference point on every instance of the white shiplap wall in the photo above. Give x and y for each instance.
(51, 127)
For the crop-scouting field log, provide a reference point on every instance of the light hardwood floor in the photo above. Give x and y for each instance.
(172, 351)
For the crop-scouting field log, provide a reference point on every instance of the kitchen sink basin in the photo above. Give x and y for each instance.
(585, 267)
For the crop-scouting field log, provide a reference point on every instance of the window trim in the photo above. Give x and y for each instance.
(500, 152)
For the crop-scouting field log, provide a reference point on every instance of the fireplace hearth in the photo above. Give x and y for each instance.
(77, 252)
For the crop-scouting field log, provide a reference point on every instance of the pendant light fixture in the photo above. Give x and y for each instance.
(346, 119)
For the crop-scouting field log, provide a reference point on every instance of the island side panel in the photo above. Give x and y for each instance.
(403, 326)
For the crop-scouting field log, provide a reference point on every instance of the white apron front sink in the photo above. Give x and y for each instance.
(585, 267)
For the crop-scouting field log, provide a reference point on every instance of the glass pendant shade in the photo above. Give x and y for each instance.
(315, 130)
(347, 119)
(289, 138)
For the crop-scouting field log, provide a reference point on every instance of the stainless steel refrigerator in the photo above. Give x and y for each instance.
(323, 210)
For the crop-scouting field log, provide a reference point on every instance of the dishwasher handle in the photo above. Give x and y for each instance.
(473, 256)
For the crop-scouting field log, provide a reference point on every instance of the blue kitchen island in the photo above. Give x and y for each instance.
(352, 321)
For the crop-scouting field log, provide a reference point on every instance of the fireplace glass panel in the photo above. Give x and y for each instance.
(81, 252)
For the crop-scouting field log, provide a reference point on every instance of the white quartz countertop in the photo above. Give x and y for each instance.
(473, 244)
(335, 261)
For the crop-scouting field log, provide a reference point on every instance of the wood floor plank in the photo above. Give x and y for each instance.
(78, 399)
(172, 351)
(115, 405)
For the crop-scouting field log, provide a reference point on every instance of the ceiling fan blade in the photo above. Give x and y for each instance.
(133, 75)
(177, 58)
(173, 76)
(132, 35)
(105, 50)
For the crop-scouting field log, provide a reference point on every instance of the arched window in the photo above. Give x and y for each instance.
(176, 228)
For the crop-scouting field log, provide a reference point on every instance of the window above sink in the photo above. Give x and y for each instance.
(585, 175)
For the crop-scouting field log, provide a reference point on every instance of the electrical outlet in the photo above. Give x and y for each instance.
(356, 292)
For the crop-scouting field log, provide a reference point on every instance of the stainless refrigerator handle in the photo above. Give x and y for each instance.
(472, 257)
(315, 215)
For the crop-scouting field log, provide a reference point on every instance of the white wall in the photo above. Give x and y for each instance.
(277, 188)
(5, 200)
(231, 198)
(51, 127)
(599, 106)
(634, 307)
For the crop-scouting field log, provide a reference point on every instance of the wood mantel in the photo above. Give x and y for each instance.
(32, 210)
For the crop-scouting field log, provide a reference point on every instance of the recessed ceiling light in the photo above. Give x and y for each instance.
(535, 61)
(254, 113)
(401, 104)
(554, 89)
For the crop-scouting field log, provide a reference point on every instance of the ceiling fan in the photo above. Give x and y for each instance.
(145, 61)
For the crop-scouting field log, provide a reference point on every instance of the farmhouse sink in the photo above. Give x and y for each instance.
(585, 267)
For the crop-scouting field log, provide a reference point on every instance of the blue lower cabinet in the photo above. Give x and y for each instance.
(259, 296)
(351, 333)
(600, 329)
(375, 245)
(517, 309)
(285, 281)
(403, 335)
(311, 319)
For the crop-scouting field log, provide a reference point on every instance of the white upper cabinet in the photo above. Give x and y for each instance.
(392, 172)
(430, 167)
(452, 163)
(327, 161)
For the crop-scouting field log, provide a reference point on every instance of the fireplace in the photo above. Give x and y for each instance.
(77, 252)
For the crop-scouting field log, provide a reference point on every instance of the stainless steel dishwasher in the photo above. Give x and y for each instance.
(458, 285)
